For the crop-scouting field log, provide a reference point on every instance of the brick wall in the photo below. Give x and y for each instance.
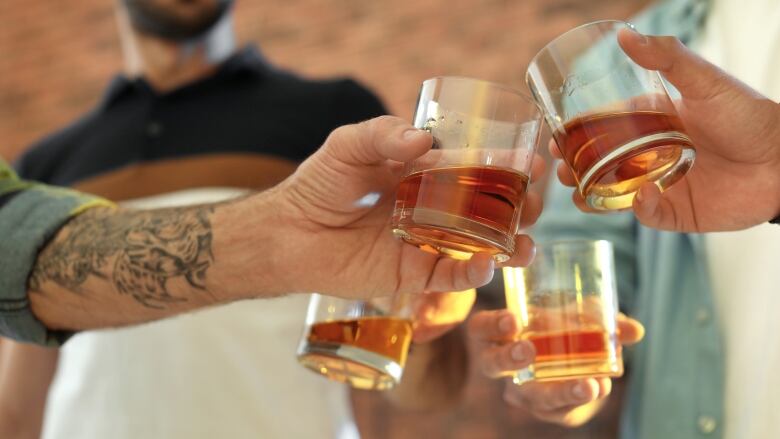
(55, 57)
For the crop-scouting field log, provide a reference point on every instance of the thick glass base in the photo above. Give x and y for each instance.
(662, 158)
(438, 232)
(357, 367)
(559, 370)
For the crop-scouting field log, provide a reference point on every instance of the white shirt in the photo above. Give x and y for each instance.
(743, 38)
(225, 372)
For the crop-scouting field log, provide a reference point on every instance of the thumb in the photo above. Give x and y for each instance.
(694, 77)
(630, 331)
(376, 140)
(651, 209)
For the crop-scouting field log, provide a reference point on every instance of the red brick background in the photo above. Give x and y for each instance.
(56, 57)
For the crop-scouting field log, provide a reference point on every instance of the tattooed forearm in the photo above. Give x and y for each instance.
(137, 252)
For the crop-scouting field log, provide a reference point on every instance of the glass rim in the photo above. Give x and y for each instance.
(507, 88)
(568, 243)
(568, 33)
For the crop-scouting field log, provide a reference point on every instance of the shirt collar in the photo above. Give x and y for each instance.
(247, 61)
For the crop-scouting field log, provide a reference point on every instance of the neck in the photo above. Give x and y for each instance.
(168, 65)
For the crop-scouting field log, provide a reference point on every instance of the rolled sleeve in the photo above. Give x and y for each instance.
(30, 215)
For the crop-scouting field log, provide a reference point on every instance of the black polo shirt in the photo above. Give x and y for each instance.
(246, 107)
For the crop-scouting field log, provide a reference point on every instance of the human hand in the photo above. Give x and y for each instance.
(735, 180)
(569, 402)
(435, 314)
(338, 205)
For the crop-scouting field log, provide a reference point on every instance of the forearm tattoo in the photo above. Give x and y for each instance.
(137, 252)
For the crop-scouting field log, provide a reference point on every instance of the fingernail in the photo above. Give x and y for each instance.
(519, 353)
(578, 390)
(641, 39)
(506, 323)
(412, 134)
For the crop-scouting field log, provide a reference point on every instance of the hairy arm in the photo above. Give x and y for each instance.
(111, 267)
(312, 232)
(26, 371)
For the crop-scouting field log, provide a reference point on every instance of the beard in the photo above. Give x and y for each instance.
(150, 18)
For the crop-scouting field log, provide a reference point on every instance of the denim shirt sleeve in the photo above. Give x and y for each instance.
(30, 214)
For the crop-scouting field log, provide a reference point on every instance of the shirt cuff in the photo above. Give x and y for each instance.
(27, 222)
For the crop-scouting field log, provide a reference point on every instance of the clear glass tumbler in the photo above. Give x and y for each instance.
(613, 121)
(565, 303)
(362, 343)
(465, 195)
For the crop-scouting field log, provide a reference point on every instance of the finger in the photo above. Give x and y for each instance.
(605, 387)
(537, 168)
(559, 395)
(437, 313)
(455, 275)
(444, 307)
(565, 175)
(498, 361)
(582, 205)
(376, 140)
(552, 146)
(694, 77)
(630, 331)
(491, 326)
(649, 208)
(532, 208)
(525, 250)
(426, 333)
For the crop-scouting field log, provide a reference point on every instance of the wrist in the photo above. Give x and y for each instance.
(249, 249)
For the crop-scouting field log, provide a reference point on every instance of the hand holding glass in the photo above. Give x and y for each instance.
(465, 195)
(565, 303)
(365, 343)
(613, 121)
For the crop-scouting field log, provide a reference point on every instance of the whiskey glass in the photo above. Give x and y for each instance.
(612, 120)
(565, 303)
(362, 343)
(465, 195)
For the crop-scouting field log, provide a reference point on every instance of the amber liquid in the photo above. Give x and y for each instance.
(662, 154)
(574, 353)
(461, 210)
(367, 353)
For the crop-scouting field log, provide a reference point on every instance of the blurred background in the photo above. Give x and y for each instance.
(57, 57)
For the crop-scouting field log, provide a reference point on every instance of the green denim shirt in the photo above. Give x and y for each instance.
(676, 381)
(30, 214)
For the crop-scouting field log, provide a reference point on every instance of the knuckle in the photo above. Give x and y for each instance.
(383, 123)
(342, 134)
(671, 43)
(504, 358)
